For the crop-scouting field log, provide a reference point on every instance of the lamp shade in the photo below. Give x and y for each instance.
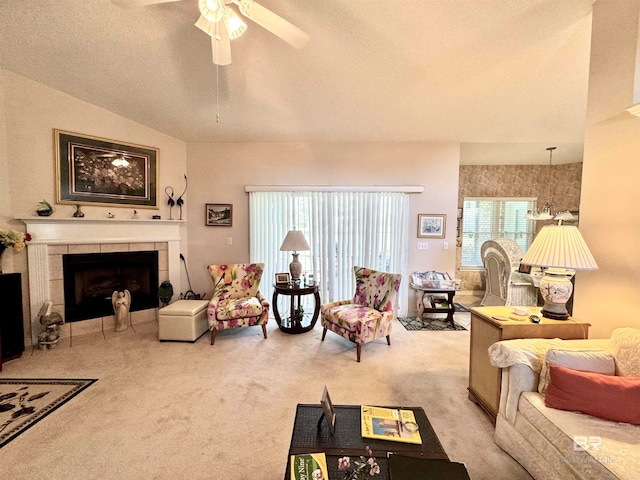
(560, 246)
(294, 242)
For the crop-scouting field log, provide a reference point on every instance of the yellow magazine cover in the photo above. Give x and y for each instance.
(309, 466)
(389, 424)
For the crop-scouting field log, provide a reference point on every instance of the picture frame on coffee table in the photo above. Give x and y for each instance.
(100, 171)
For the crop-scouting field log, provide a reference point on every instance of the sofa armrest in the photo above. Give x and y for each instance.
(516, 379)
(521, 362)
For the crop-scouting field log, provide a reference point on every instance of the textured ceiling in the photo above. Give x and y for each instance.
(506, 72)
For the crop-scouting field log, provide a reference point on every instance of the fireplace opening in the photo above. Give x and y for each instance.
(90, 279)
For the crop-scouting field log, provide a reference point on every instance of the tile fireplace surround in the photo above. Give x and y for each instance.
(53, 237)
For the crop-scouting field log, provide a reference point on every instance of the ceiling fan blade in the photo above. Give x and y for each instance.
(272, 22)
(221, 46)
(220, 41)
(138, 3)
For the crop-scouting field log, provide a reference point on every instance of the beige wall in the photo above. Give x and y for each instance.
(218, 173)
(610, 209)
(28, 114)
(563, 191)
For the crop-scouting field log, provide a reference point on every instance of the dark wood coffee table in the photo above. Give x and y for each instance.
(348, 441)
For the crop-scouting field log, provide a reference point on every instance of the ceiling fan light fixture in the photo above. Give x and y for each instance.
(235, 25)
(206, 26)
(212, 10)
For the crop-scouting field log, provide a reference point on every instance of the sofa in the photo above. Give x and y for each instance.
(564, 442)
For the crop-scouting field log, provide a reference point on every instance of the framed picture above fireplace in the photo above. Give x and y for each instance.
(99, 171)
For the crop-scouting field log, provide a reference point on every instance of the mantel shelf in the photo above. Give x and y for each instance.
(29, 219)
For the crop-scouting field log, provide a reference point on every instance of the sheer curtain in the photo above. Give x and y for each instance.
(343, 229)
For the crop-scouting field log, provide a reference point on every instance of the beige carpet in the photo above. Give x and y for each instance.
(193, 411)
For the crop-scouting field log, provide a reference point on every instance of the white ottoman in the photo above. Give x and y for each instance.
(184, 320)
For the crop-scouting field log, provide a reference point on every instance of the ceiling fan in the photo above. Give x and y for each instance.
(223, 24)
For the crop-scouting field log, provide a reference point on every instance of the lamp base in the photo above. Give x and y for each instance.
(295, 267)
(556, 289)
(555, 315)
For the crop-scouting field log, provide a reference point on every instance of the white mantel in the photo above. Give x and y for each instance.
(46, 231)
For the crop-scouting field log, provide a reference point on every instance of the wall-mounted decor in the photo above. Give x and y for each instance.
(99, 171)
(218, 215)
(431, 225)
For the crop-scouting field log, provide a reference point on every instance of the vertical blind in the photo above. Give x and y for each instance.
(343, 229)
(489, 218)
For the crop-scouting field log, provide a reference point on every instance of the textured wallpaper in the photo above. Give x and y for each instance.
(563, 187)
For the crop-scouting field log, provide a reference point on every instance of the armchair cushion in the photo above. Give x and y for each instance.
(238, 308)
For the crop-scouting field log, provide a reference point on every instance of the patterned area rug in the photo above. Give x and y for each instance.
(413, 323)
(460, 307)
(26, 401)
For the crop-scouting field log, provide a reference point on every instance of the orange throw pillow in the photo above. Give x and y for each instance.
(603, 396)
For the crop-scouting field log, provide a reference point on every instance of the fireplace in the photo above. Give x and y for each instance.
(90, 280)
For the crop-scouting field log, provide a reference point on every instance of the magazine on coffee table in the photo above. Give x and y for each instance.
(309, 466)
(389, 424)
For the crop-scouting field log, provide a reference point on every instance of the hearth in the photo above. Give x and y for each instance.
(90, 280)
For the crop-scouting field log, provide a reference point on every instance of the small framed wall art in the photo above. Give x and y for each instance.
(99, 171)
(431, 225)
(218, 215)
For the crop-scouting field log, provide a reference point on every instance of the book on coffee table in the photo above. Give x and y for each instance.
(392, 424)
(309, 466)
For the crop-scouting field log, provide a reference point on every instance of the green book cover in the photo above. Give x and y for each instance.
(310, 466)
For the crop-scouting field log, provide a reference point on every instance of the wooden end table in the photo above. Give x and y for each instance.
(449, 292)
(295, 323)
(485, 380)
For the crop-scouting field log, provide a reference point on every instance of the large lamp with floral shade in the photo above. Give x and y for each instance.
(560, 250)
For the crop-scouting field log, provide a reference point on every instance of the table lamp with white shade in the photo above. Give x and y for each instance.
(294, 242)
(560, 249)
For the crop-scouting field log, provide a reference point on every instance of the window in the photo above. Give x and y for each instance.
(343, 229)
(488, 218)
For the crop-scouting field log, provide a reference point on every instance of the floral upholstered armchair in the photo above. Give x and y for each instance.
(369, 315)
(237, 301)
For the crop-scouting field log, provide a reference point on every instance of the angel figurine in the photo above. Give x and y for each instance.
(121, 302)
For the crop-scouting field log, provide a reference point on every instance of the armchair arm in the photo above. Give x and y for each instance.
(334, 304)
(211, 310)
(263, 301)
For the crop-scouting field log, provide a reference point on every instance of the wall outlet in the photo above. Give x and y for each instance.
(423, 246)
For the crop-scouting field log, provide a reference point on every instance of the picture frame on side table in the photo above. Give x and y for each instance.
(282, 279)
(99, 171)
(218, 215)
(431, 225)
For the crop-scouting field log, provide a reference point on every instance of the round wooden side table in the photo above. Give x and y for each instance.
(296, 321)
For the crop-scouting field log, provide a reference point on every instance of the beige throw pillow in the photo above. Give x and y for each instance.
(596, 361)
